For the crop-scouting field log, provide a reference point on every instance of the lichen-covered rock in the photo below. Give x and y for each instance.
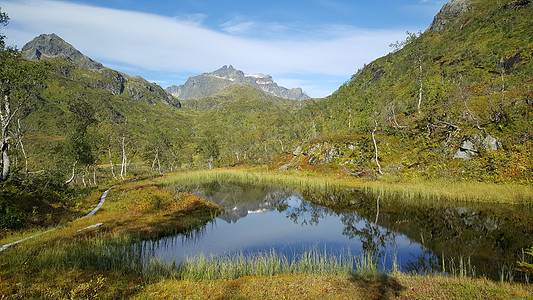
(491, 143)
(466, 151)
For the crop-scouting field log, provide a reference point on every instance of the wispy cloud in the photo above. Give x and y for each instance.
(156, 43)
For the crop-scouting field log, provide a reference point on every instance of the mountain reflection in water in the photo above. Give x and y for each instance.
(258, 219)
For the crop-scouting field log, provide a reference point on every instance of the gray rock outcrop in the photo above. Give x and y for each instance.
(466, 151)
(207, 84)
(47, 46)
(491, 143)
(469, 148)
(449, 13)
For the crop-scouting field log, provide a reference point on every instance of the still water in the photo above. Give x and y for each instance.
(489, 238)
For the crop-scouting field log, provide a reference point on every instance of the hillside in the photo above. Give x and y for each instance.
(80, 115)
(455, 101)
(242, 124)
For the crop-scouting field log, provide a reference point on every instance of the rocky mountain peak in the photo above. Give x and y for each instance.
(449, 13)
(228, 73)
(47, 46)
(207, 84)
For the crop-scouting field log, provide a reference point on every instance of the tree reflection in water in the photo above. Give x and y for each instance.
(423, 233)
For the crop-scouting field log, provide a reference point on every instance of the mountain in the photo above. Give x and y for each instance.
(47, 46)
(79, 109)
(207, 84)
(236, 93)
(52, 47)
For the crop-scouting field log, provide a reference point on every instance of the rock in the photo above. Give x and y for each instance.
(518, 4)
(297, 151)
(450, 12)
(466, 151)
(285, 167)
(491, 143)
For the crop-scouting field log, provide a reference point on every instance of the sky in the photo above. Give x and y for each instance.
(313, 44)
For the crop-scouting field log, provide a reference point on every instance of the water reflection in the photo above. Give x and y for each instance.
(420, 235)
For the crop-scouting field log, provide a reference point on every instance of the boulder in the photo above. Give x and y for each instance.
(297, 151)
(491, 143)
(466, 151)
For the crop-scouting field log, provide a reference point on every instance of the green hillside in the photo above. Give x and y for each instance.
(242, 124)
(474, 82)
(468, 86)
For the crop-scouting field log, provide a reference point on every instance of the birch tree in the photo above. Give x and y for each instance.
(17, 84)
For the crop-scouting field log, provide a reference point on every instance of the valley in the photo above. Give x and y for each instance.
(426, 152)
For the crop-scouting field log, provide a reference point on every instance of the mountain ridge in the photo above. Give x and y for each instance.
(207, 84)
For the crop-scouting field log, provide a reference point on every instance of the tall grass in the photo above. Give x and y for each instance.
(411, 190)
(287, 180)
(127, 255)
(270, 263)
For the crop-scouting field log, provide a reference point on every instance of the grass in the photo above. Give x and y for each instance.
(43, 267)
(411, 189)
(402, 286)
(273, 263)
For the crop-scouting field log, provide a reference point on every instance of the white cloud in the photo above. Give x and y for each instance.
(238, 26)
(156, 43)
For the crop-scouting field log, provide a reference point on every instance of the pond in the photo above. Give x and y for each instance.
(483, 240)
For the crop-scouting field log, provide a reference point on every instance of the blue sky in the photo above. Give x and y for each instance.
(315, 44)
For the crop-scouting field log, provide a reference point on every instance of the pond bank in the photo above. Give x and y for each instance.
(42, 274)
(401, 286)
(508, 193)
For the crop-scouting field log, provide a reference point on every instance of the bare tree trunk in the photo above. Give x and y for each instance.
(281, 142)
(421, 85)
(124, 159)
(83, 179)
(158, 166)
(19, 133)
(314, 128)
(376, 146)
(94, 175)
(210, 162)
(155, 158)
(6, 116)
(111, 163)
(6, 164)
(73, 173)
(503, 85)
(350, 119)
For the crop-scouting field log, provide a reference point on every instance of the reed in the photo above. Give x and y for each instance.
(416, 190)
(128, 255)
(462, 267)
(271, 263)
(287, 180)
